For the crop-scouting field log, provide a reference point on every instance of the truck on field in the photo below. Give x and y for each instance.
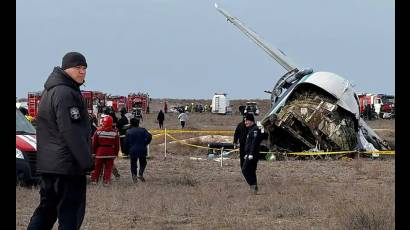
(220, 104)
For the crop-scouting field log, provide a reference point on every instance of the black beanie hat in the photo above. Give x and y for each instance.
(249, 117)
(134, 122)
(73, 59)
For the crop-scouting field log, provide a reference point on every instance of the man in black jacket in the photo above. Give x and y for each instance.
(122, 129)
(161, 118)
(136, 141)
(63, 147)
(252, 148)
(239, 138)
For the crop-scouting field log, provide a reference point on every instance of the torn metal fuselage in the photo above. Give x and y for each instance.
(311, 110)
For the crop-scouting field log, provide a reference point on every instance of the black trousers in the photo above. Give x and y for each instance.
(182, 124)
(61, 197)
(249, 171)
(122, 146)
(161, 124)
(134, 167)
(241, 155)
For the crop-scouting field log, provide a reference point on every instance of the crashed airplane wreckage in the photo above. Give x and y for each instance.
(312, 111)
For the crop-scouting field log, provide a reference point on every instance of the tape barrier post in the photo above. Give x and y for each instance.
(165, 143)
(222, 150)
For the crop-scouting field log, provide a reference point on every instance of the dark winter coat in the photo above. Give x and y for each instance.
(161, 116)
(240, 134)
(253, 141)
(136, 141)
(63, 128)
(121, 125)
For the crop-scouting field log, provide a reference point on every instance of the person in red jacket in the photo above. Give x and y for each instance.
(106, 144)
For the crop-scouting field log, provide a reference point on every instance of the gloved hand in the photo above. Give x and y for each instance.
(249, 157)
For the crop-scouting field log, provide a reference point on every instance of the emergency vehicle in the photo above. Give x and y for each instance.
(387, 109)
(117, 102)
(251, 107)
(383, 104)
(26, 151)
(94, 100)
(220, 104)
(140, 100)
(33, 99)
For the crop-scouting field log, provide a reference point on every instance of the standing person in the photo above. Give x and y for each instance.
(63, 147)
(252, 148)
(105, 146)
(93, 123)
(183, 117)
(137, 113)
(161, 118)
(122, 128)
(367, 111)
(165, 107)
(239, 139)
(114, 116)
(108, 111)
(136, 141)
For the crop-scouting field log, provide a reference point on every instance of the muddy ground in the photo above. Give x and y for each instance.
(185, 190)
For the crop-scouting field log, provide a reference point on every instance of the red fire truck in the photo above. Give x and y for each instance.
(139, 100)
(95, 100)
(387, 109)
(383, 104)
(117, 102)
(32, 104)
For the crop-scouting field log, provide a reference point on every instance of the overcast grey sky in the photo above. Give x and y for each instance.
(187, 49)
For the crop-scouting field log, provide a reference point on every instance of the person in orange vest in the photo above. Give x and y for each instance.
(106, 144)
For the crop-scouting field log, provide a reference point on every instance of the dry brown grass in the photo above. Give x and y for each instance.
(199, 194)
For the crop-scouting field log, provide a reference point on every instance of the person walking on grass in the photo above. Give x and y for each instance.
(136, 141)
(183, 117)
(105, 146)
(239, 139)
(252, 148)
(161, 118)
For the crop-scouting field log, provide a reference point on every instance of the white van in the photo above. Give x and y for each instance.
(220, 104)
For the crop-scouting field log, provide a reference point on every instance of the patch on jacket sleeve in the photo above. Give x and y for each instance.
(75, 113)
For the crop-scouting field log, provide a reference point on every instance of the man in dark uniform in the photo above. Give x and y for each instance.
(239, 139)
(108, 110)
(160, 119)
(122, 128)
(63, 147)
(252, 148)
(136, 141)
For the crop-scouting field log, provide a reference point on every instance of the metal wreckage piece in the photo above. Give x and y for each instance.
(311, 111)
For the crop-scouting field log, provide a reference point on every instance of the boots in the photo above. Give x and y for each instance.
(115, 172)
(134, 179)
(142, 179)
(254, 189)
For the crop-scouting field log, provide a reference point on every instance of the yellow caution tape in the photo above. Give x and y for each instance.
(318, 153)
(161, 132)
(197, 146)
(192, 131)
(381, 152)
(157, 135)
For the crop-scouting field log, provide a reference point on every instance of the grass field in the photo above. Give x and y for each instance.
(185, 193)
